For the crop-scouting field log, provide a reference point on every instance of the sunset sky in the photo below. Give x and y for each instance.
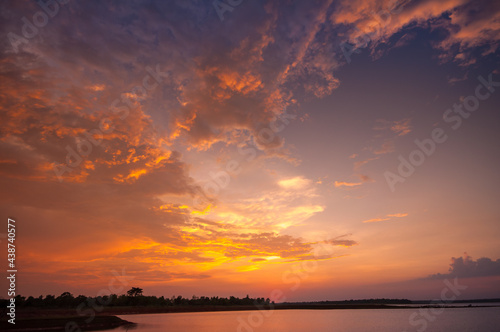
(327, 149)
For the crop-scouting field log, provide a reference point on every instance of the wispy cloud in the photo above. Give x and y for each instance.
(376, 219)
(360, 163)
(365, 178)
(398, 127)
(297, 183)
(398, 215)
(347, 184)
(401, 127)
(453, 80)
(341, 241)
(387, 147)
(387, 217)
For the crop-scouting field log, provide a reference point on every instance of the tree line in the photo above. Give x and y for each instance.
(134, 297)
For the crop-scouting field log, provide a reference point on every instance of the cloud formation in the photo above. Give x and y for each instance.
(296, 183)
(387, 217)
(341, 241)
(398, 127)
(346, 184)
(109, 98)
(467, 267)
(468, 25)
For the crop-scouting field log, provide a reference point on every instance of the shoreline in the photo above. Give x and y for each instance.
(101, 322)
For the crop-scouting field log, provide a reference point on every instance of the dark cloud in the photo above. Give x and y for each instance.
(466, 267)
(342, 242)
(258, 260)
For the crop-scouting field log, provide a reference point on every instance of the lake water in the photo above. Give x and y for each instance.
(347, 320)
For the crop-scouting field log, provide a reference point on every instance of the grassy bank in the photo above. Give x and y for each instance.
(47, 323)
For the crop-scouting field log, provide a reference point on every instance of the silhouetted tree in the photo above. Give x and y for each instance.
(65, 300)
(135, 291)
(50, 300)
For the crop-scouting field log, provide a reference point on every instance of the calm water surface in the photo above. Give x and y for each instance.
(383, 320)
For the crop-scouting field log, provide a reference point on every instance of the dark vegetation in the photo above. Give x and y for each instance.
(134, 297)
(59, 324)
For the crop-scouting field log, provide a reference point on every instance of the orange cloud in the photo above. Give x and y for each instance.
(387, 147)
(398, 215)
(360, 163)
(97, 87)
(347, 184)
(387, 217)
(401, 127)
(470, 24)
(376, 220)
(296, 183)
(134, 174)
